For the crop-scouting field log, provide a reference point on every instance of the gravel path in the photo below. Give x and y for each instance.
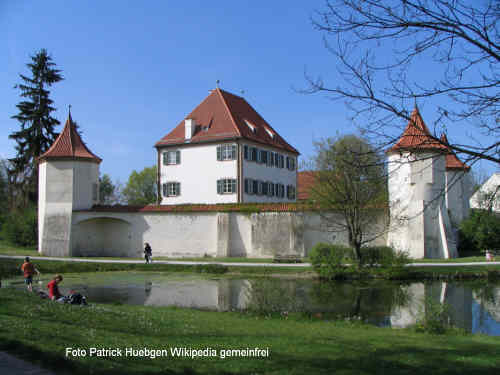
(10, 365)
(234, 263)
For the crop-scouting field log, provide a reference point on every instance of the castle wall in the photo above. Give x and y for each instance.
(196, 234)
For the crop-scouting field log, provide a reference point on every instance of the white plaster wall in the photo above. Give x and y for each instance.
(42, 191)
(240, 235)
(56, 185)
(169, 234)
(198, 173)
(84, 176)
(262, 172)
(490, 186)
(458, 193)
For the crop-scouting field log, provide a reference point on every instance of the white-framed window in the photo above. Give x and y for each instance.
(270, 189)
(95, 191)
(290, 163)
(226, 186)
(270, 160)
(171, 189)
(172, 157)
(226, 152)
(263, 156)
(255, 186)
(249, 186)
(280, 160)
(280, 190)
(254, 151)
(290, 192)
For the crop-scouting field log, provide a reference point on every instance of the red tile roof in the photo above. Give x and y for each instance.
(305, 181)
(416, 136)
(69, 145)
(223, 207)
(452, 161)
(221, 116)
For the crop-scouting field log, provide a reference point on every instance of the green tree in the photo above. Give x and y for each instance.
(106, 190)
(141, 188)
(37, 124)
(350, 187)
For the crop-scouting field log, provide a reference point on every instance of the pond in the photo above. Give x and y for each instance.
(472, 306)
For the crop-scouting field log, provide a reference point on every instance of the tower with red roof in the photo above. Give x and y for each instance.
(419, 221)
(68, 180)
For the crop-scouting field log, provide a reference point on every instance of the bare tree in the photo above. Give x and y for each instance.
(380, 47)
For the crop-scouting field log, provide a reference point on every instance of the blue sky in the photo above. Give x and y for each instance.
(134, 70)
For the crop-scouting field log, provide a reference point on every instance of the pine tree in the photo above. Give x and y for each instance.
(37, 125)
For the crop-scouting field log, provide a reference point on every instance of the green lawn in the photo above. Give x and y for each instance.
(40, 331)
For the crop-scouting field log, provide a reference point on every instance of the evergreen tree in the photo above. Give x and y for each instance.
(37, 124)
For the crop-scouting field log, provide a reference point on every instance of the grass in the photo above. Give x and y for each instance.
(40, 331)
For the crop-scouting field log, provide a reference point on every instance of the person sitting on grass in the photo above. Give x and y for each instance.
(28, 269)
(54, 293)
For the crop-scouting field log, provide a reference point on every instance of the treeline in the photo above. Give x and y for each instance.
(36, 133)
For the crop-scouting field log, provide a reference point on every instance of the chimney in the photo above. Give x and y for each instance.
(189, 127)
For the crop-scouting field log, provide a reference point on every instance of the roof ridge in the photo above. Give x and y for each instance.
(219, 91)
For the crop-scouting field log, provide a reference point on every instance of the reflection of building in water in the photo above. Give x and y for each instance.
(219, 295)
(489, 303)
(458, 297)
(404, 316)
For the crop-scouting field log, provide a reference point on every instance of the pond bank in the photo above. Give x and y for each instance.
(9, 266)
(39, 329)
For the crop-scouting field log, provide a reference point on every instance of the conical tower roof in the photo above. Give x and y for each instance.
(416, 137)
(452, 160)
(69, 146)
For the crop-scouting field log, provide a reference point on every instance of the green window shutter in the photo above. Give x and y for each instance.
(233, 152)
(219, 153)
(246, 185)
(177, 157)
(219, 186)
(178, 188)
(245, 152)
(164, 190)
(164, 158)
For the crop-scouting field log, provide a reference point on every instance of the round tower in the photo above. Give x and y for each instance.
(419, 221)
(68, 180)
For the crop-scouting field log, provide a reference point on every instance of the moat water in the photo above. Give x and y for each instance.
(471, 306)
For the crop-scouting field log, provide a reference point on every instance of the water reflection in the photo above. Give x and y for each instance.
(474, 307)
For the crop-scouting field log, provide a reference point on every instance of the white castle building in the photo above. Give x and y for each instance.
(225, 152)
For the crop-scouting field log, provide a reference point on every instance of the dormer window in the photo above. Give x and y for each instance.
(251, 126)
(271, 134)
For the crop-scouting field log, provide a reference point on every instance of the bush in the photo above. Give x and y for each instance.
(21, 227)
(383, 256)
(479, 232)
(435, 318)
(329, 261)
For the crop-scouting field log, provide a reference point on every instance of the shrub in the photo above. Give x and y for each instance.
(435, 318)
(479, 232)
(383, 256)
(21, 227)
(329, 261)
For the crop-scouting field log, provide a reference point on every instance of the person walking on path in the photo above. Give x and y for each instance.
(29, 270)
(54, 293)
(148, 253)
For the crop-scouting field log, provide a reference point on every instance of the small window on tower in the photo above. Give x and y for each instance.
(95, 192)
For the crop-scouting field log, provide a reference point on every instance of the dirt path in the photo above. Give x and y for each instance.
(10, 365)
